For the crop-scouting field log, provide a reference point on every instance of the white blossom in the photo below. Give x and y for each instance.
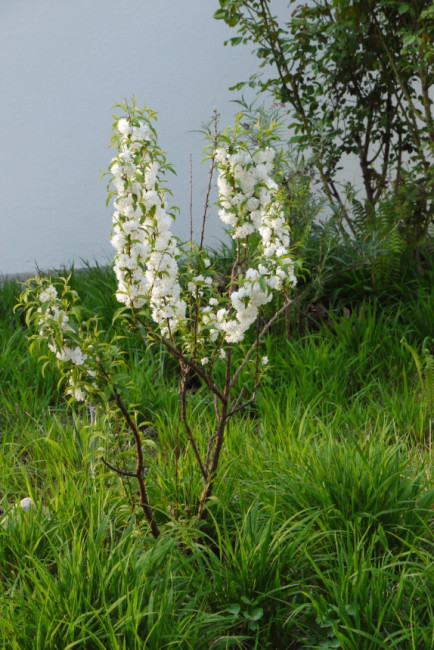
(249, 204)
(124, 127)
(74, 355)
(146, 251)
(48, 294)
(76, 392)
(54, 326)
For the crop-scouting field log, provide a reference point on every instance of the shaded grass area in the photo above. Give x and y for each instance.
(318, 535)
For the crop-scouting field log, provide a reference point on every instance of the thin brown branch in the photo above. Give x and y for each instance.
(140, 466)
(186, 424)
(219, 439)
(197, 369)
(238, 399)
(426, 101)
(208, 190)
(221, 419)
(387, 142)
(209, 486)
(242, 406)
(121, 472)
(208, 452)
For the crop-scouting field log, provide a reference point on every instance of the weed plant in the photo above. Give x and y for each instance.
(318, 534)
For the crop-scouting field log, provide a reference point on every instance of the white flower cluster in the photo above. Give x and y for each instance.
(51, 310)
(245, 188)
(53, 319)
(146, 261)
(248, 197)
(195, 286)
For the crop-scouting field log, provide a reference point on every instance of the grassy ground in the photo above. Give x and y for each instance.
(319, 532)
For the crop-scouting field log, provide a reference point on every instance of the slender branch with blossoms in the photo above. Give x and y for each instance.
(174, 293)
(86, 363)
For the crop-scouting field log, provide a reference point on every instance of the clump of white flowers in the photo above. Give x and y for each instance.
(145, 265)
(197, 312)
(60, 334)
(250, 206)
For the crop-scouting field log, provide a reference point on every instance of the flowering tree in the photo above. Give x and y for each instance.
(171, 293)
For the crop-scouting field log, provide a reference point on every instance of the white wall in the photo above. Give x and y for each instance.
(64, 64)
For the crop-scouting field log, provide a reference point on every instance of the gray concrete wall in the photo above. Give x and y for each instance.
(64, 65)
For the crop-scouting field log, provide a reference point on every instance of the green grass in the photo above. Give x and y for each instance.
(318, 534)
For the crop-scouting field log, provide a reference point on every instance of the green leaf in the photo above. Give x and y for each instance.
(239, 85)
(409, 39)
(152, 211)
(382, 536)
(262, 283)
(257, 614)
(297, 138)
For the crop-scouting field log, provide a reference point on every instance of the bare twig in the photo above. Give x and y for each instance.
(219, 438)
(121, 472)
(140, 467)
(211, 173)
(139, 474)
(238, 400)
(184, 372)
(241, 407)
(209, 449)
(197, 369)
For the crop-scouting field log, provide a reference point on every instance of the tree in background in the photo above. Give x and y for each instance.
(356, 76)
